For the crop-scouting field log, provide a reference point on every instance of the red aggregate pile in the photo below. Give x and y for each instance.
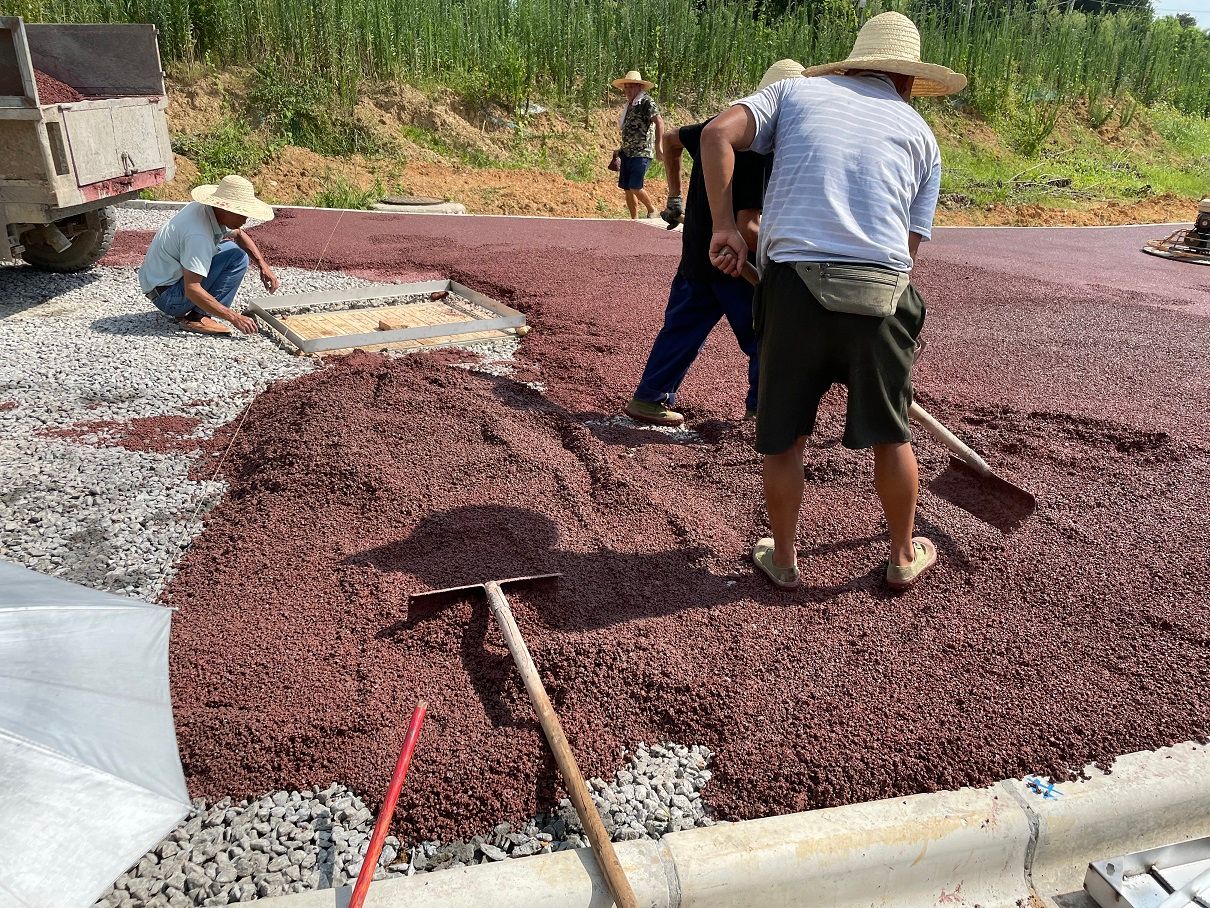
(159, 434)
(52, 91)
(1080, 637)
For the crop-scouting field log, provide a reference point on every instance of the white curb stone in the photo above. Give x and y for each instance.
(1149, 799)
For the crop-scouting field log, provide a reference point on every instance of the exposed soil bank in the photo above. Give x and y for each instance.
(1082, 636)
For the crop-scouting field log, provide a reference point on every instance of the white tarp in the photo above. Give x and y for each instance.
(90, 776)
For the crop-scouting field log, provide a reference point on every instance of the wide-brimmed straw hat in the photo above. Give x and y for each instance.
(782, 69)
(234, 194)
(632, 78)
(890, 43)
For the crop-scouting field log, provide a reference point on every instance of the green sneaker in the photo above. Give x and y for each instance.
(656, 414)
(903, 577)
(762, 557)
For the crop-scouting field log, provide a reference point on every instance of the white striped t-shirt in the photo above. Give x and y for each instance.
(855, 169)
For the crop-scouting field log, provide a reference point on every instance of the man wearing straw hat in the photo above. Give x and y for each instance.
(642, 130)
(701, 294)
(196, 262)
(852, 195)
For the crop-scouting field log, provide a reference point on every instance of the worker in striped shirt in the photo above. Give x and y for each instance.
(852, 194)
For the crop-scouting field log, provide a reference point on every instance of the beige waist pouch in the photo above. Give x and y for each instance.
(854, 289)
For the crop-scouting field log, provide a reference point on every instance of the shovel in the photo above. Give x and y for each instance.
(967, 482)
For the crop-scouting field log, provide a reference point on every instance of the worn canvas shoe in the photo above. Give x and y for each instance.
(762, 557)
(657, 414)
(902, 577)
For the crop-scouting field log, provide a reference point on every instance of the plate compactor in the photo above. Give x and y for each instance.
(1187, 244)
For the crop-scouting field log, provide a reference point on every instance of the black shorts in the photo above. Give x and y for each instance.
(805, 349)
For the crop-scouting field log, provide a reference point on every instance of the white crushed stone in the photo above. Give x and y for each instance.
(291, 841)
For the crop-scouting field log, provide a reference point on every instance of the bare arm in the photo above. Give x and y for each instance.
(659, 138)
(673, 146)
(913, 244)
(748, 223)
(727, 133)
(246, 243)
(200, 297)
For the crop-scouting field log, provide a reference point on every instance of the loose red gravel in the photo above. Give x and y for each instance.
(52, 91)
(8, 405)
(1078, 638)
(159, 434)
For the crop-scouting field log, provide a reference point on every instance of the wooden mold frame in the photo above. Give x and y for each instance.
(505, 317)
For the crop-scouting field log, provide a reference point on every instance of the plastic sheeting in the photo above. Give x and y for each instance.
(90, 776)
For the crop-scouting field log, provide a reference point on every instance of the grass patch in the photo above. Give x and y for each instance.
(232, 148)
(434, 141)
(306, 113)
(340, 193)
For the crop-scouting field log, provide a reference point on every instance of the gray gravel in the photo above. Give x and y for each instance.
(294, 841)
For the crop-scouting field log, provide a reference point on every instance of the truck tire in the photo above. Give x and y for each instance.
(86, 249)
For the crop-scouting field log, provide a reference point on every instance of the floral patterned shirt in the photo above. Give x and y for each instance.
(638, 128)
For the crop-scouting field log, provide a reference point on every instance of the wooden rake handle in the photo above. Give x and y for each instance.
(602, 845)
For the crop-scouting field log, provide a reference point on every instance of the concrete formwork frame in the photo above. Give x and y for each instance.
(505, 317)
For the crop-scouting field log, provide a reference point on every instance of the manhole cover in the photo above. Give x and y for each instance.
(412, 200)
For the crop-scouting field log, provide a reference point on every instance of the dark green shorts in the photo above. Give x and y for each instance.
(805, 349)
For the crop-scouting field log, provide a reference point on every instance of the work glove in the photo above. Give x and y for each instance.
(674, 212)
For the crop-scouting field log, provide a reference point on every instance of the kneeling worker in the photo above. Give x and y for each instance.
(197, 261)
(702, 294)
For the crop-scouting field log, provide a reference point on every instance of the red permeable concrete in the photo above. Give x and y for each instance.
(1080, 637)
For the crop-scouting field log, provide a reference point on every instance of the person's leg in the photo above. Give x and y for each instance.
(691, 313)
(897, 481)
(643, 197)
(172, 302)
(226, 273)
(632, 204)
(735, 298)
(783, 480)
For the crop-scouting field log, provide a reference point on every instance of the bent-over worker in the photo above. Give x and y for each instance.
(196, 262)
(700, 293)
(853, 192)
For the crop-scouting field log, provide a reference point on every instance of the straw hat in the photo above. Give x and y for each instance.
(632, 78)
(782, 69)
(890, 43)
(234, 194)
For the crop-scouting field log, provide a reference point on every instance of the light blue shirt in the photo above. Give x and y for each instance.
(188, 242)
(855, 169)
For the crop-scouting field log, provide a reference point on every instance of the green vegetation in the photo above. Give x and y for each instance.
(339, 193)
(232, 148)
(1076, 167)
(1019, 54)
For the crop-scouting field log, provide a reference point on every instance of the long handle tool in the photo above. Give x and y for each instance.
(602, 845)
(383, 824)
(967, 482)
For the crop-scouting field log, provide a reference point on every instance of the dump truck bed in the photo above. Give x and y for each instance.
(60, 158)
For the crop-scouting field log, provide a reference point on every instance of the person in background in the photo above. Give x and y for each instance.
(642, 130)
(852, 195)
(700, 293)
(196, 262)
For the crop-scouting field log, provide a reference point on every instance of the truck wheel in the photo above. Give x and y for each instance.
(91, 235)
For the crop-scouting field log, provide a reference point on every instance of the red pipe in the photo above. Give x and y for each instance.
(370, 864)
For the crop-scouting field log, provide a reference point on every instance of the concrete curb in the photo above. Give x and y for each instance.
(1148, 800)
(151, 205)
(907, 851)
(1001, 847)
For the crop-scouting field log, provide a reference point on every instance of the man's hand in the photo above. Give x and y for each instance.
(243, 322)
(674, 212)
(269, 279)
(728, 251)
